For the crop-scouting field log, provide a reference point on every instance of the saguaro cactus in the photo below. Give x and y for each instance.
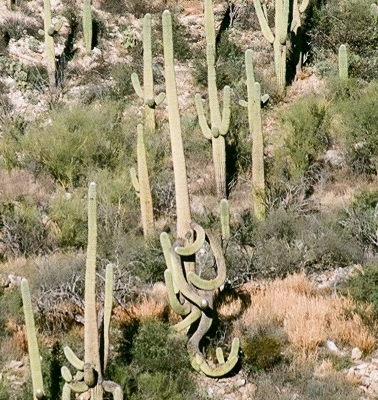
(254, 119)
(219, 123)
(147, 93)
(89, 376)
(34, 358)
(142, 186)
(343, 63)
(87, 25)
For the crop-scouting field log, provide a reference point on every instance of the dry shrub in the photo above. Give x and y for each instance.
(309, 318)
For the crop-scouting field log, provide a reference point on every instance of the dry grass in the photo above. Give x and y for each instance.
(308, 318)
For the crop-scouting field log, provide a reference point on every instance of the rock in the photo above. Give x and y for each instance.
(356, 354)
(332, 347)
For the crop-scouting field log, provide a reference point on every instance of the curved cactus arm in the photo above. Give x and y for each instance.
(226, 111)
(34, 358)
(201, 118)
(78, 387)
(136, 85)
(219, 280)
(108, 305)
(220, 356)
(181, 309)
(66, 392)
(188, 320)
(303, 6)
(114, 389)
(73, 359)
(225, 219)
(196, 245)
(223, 368)
(182, 284)
(262, 17)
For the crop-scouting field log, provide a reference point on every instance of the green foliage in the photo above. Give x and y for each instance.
(4, 390)
(156, 349)
(17, 26)
(360, 126)
(306, 126)
(76, 141)
(363, 286)
(261, 351)
(346, 22)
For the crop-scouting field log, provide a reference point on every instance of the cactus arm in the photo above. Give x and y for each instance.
(177, 307)
(73, 359)
(159, 98)
(226, 111)
(196, 245)
(108, 303)
(303, 6)
(201, 118)
(49, 43)
(136, 85)
(179, 165)
(91, 340)
(282, 20)
(87, 25)
(219, 280)
(66, 392)
(66, 374)
(225, 219)
(179, 278)
(114, 389)
(134, 180)
(166, 244)
(78, 387)
(188, 320)
(34, 358)
(261, 16)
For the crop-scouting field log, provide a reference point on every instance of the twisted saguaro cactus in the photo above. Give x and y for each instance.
(89, 376)
(343, 63)
(147, 93)
(254, 119)
(142, 186)
(219, 123)
(193, 298)
(34, 358)
(87, 25)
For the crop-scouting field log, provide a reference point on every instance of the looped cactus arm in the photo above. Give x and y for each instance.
(188, 320)
(178, 308)
(196, 245)
(217, 282)
(34, 359)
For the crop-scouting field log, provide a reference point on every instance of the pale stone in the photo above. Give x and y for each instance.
(356, 354)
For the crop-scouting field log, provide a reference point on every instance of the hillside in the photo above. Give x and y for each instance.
(300, 237)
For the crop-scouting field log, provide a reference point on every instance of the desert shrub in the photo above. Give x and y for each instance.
(346, 22)
(121, 74)
(16, 26)
(360, 125)
(306, 126)
(4, 390)
(76, 141)
(261, 349)
(22, 231)
(362, 286)
(359, 219)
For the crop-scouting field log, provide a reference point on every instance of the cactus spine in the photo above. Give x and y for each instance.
(34, 358)
(219, 123)
(147, 93)
(142, 186)
(89, 376)
(87, 25)
(343, 63)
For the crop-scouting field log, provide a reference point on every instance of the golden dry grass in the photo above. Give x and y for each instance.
(309, 318)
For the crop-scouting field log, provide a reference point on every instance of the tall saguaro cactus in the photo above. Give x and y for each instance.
(179, 165)
(147, 93)
(254, 120)
(89, 376)
(219, 123)
(142, 186)
(34, 358)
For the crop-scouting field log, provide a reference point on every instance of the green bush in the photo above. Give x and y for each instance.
(346, 22)
(76, 141)
(306, 127)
